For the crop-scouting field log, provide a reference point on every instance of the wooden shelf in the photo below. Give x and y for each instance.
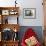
(11, 26)
(9, 43)
(4, 13)
(10, 9)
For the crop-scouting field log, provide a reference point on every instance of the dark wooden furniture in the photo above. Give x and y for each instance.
(10, 43)
(0, 43)
(4, 13)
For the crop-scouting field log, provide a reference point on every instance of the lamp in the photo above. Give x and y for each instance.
(15, 3)
(15, 30)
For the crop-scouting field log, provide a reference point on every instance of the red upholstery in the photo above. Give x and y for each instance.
(29, 33)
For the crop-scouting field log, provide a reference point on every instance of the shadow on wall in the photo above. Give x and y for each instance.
(37, 29)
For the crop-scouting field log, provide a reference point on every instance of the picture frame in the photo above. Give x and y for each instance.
(29, 13)
(13, 12)
(5, 12)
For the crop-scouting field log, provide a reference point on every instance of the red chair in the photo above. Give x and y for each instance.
(29, 33)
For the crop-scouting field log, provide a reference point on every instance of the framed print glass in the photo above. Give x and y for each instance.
(13, 12)
(29, 13)
(5, 12)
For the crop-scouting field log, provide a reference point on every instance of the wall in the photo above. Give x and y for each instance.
(45, 21)
(27, 4)
(39, 13)
(45, 13)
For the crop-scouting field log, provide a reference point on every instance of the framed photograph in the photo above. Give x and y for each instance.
(29, 13)
(5, 12)
(13, 12)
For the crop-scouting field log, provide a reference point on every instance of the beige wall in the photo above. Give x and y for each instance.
(44, 4)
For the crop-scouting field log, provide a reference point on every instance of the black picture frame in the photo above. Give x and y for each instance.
(29, 13)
